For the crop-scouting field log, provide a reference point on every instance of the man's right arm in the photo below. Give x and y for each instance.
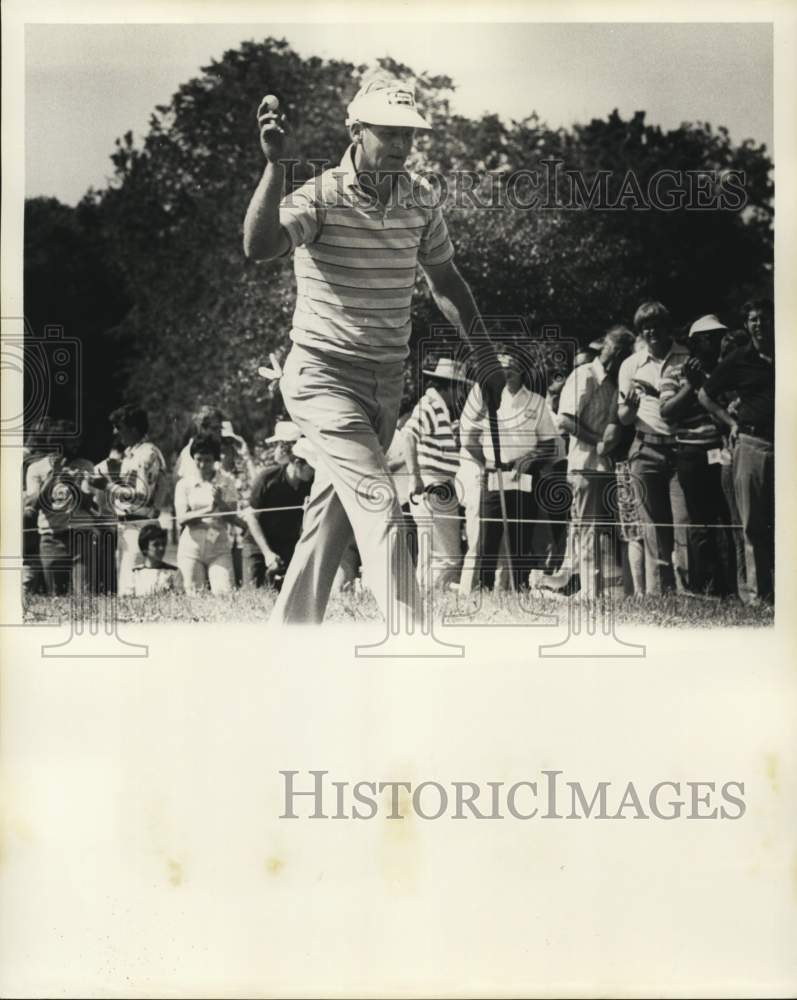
(264, 237)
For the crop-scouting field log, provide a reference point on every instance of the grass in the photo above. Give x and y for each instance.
(255, 606)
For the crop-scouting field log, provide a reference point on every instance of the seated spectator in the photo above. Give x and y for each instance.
(431, 450)
(652, 455)
(202, 501)
(529, 443)
(143, 484)
(698, 458)
(57, 488)
(588, 405)
(207, 420)
(749, 372)
(274, 522)
(155, 576)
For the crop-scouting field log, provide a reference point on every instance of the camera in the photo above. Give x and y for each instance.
(42, 382)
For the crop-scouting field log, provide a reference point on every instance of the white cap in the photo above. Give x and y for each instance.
(304, 449)
(386, 102)
(447, 368)
(707, 324)
(285, 430)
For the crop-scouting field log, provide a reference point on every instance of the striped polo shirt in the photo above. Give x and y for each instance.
(695, 425)
(437, 445)
(356, 261)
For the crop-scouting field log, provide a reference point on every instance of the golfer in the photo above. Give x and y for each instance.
(357, 233)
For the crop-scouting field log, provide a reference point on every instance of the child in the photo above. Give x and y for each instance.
(155, 576)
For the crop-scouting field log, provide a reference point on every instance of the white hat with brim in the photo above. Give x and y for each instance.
(707, 324)
(304, 449)
(286, 431)
(390, 105)
(448, 369)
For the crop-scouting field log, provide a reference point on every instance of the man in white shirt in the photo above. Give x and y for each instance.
(588, 403)
(529, 442)
(652, 455)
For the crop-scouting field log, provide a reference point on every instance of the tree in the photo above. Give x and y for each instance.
(202, 318)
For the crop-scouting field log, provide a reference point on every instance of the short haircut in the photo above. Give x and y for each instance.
(149, 533)
(620, 334)
(651, 309)
(207, 444)
(131, 416)
(208, 415)
(762, 305)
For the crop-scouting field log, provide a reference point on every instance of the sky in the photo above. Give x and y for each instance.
(88, 84)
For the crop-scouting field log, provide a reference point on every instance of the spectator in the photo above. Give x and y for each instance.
(155, 576)
(529, 443)
(587, 406)
(142, 484)
(699, 456)
(203, 502)
(652, 454)
(207, 420)
(431, 443)
(750, 372)
(733, 340)
(237, 464)
(57, 488)
(285, 435)
(274, 522)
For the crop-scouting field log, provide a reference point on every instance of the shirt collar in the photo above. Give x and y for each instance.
(346, 170)
(599, 370)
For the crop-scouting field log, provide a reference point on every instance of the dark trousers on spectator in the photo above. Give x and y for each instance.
(754, 483)
(528, 549)
(253, 566)
(711, 558)
(55, 553)
(653, 467)
(32, 579)
(737, 534)
(82, 560)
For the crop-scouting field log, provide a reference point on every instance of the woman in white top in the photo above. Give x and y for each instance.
(204, 501)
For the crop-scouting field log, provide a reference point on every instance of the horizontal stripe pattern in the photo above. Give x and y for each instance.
(356, 264)
(437, 446)
(695, 425)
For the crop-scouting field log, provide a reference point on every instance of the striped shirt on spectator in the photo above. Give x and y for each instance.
(356, 261)
(695, 425)
(438, 446)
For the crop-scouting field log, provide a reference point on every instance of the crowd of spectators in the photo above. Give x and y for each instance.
(647, 462)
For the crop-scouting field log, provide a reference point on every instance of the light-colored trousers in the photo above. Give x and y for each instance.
(348, 411)
(130, 556)
(439, 554)
(204, 557)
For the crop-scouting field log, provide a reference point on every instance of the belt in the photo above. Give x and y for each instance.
(659, 439)
(753, 431)
(127, 518)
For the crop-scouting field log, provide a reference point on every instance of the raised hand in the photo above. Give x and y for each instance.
(272, 127)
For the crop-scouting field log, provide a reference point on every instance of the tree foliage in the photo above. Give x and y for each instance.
(199, 318)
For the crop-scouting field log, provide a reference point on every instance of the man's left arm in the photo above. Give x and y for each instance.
(455, 301)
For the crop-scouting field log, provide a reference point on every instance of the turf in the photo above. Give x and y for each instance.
(253, 606)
